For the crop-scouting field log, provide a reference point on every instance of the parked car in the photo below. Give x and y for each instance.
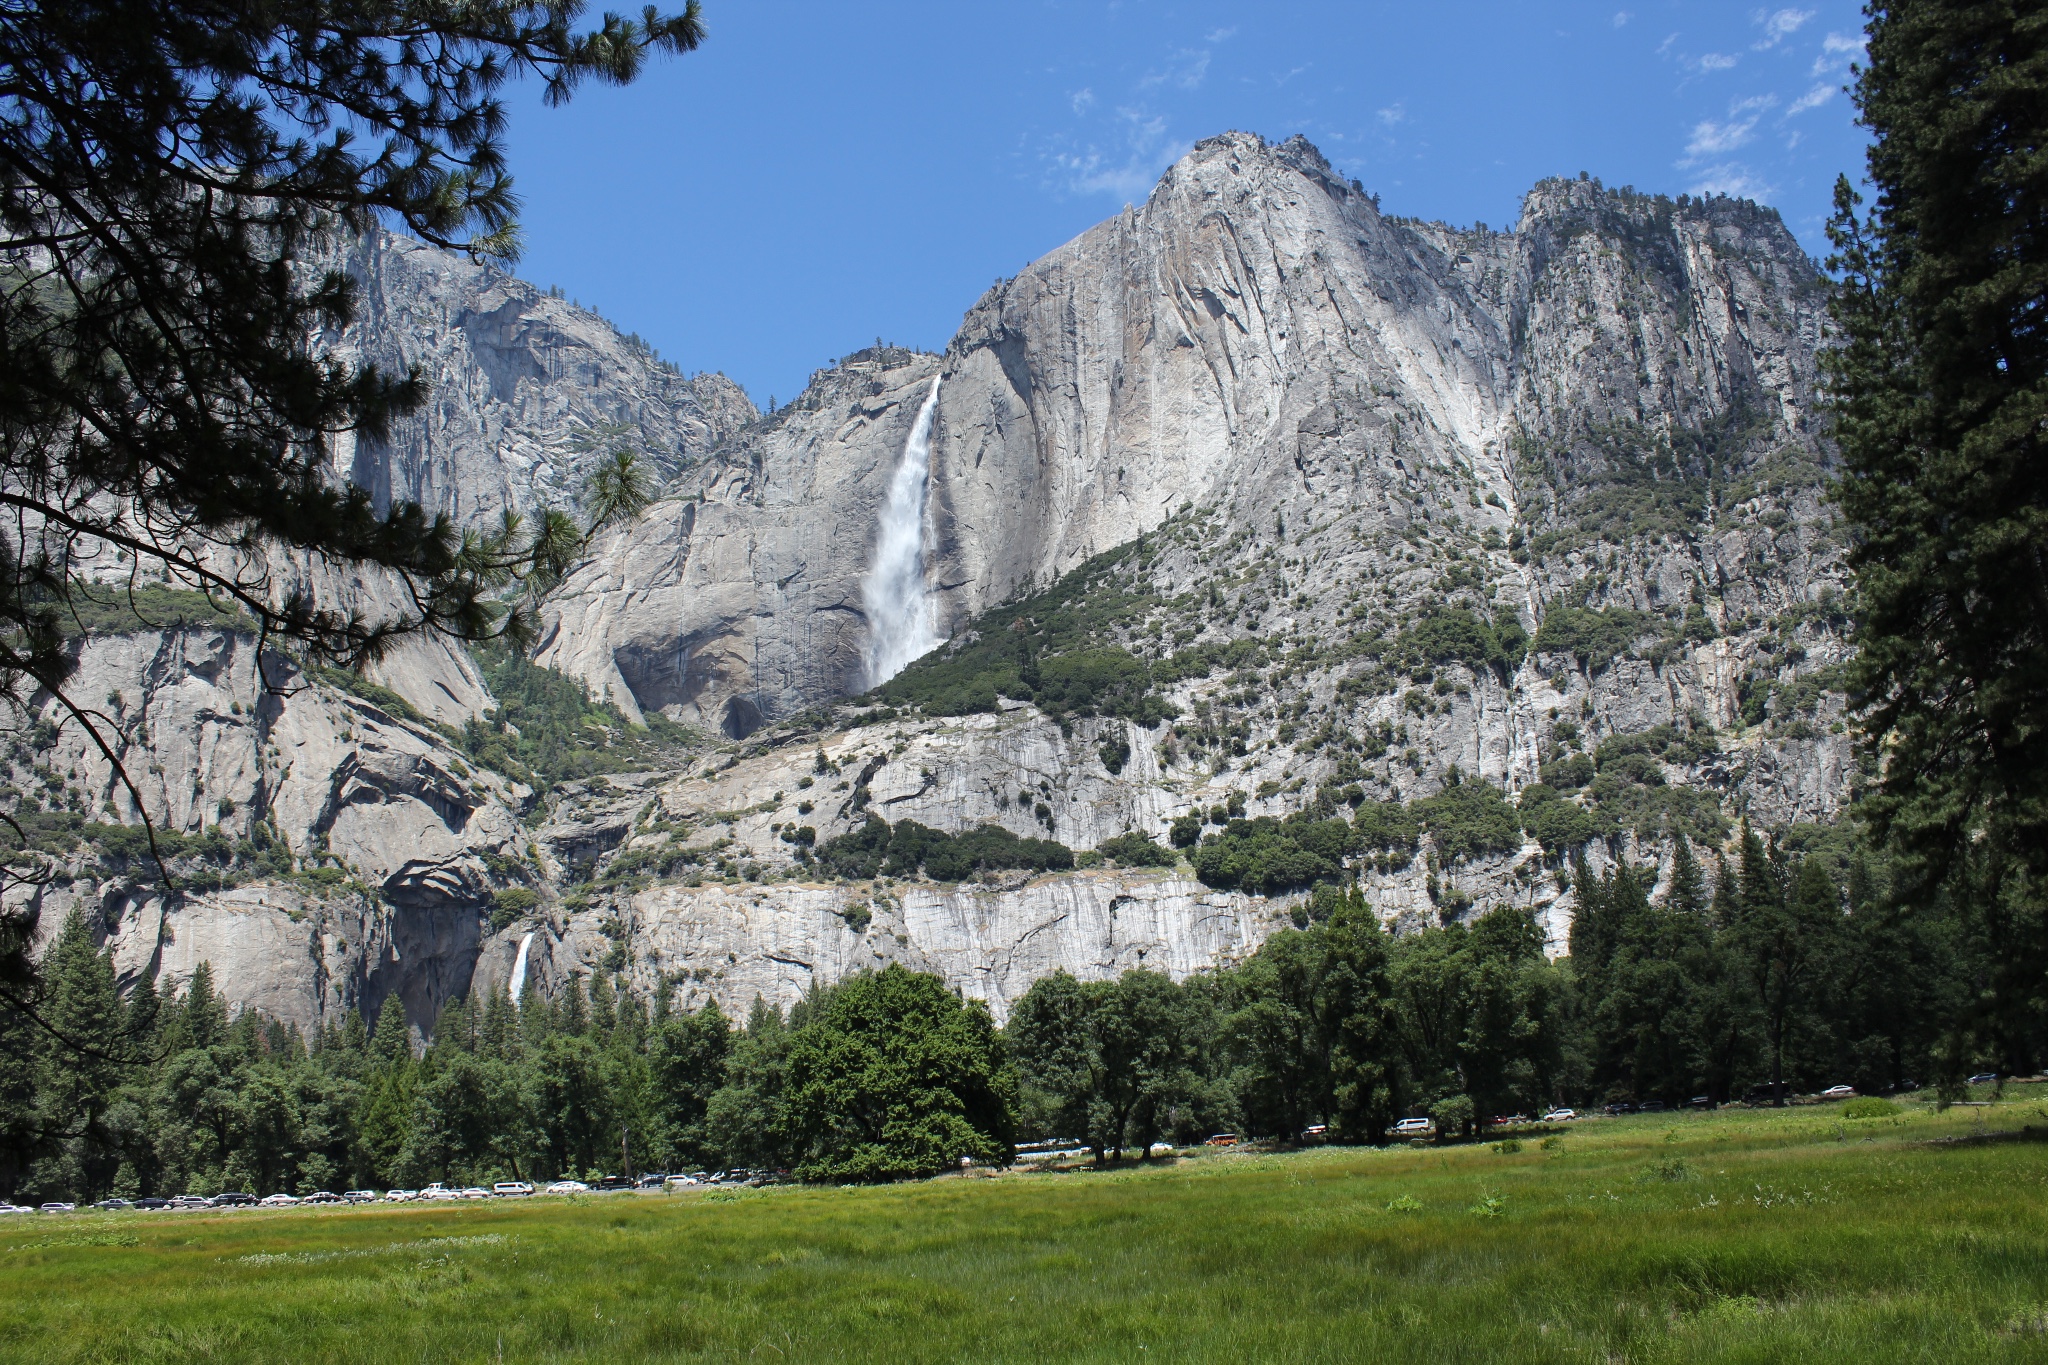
(360, 1197)
(614, 1182)
(1650, 1107)
(1984, 1078)
(1839, 1092)
(1560, 1116)
(682, 1180)
(1618, 1108)
(113, 1204)
(152, 1203)
(191, 1201)
(1314, 1131)
(475, 1192)
(58, 1206)
(568, 1187)
(1415, 1127)
(321, 1197)
(1700, 1102)
(439, 1191)
(278, 1201)
(400, 1196)
(1222, 1140)
(232, 1199)
(7, 1208)
(651, 1182)
(511, 1188)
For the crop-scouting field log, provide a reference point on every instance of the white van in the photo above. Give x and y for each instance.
(1422, 1127)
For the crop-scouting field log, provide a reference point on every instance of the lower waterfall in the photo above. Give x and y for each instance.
(898, 602)
(517, 985)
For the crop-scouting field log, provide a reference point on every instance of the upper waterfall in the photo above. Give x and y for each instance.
(898, 602)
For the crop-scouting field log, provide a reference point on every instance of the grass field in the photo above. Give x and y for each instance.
(1743, 1235)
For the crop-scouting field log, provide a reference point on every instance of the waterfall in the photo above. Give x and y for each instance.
(517, 985)
(899, 606)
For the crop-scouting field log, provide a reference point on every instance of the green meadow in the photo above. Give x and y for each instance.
(1795, 1235)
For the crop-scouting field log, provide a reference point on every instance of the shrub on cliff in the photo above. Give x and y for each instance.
(908, 847)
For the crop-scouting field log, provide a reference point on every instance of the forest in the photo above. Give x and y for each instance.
(1777, 970)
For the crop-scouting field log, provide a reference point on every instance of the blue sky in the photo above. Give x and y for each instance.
(822, 174)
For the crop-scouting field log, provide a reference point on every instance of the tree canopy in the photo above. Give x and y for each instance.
(1940, 400)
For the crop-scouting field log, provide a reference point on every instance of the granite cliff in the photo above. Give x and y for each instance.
(1374, 507)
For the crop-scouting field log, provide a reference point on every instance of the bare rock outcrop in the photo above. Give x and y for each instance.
(526, 388)
(1254, 415)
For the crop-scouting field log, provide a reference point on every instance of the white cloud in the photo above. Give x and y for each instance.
(1621, 17)
(1220, 35)
(1083, 100)
(1717, 61)
(1665, 46)
(1710, 138)
(1717, 137)
(1397, 112)
(1186, 70)
(1836, 52)
(1812, 99)
(1781, 25)
(1731, 178)
(1138, 151)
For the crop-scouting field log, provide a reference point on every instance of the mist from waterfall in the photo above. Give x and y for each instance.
(898, 602)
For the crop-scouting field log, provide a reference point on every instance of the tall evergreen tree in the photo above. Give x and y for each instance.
(81, 1060)
(1940, 399)
(1785, 933)
(384, 1122)
(1686, 893)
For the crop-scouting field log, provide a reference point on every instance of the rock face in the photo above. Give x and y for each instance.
(1311, 433)
(400, 840)
(1257, 339)
(740, 599)
(525, 390)
(1332, 427)
(734, 944)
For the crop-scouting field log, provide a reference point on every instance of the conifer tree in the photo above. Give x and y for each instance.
(1940, 399)
(80, 1060)
(204, 1015)
(384, 1122)
(1687, 893)
(140, 1025)
(20, 1133)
